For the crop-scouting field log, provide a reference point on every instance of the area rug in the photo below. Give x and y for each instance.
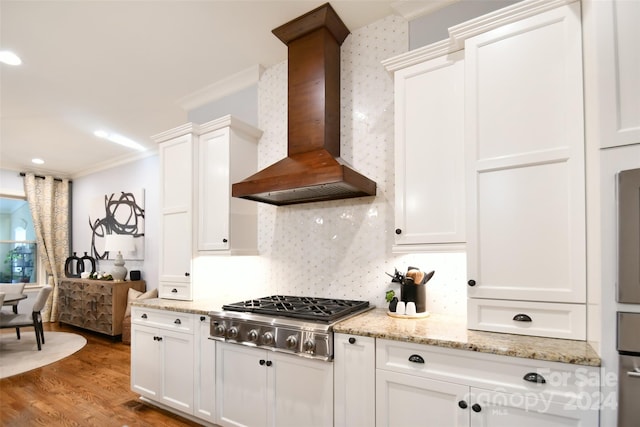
(22, 355)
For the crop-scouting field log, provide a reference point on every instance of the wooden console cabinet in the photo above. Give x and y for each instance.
(97, 305)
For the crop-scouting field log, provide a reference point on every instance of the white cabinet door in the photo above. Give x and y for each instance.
(300, 391)
(145, 362)
(429, 155)
(214, 191)
(177, 370)
(227, 154)
(354, 366)
(205, 371)
(162, 366)
(617, 70)
(525, 160)
(176, 163)
(493, 409)
(241, 386)
(408, 401)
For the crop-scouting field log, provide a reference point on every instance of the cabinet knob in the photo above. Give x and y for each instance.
(462, 404)
(144, 315)
(415, 358)
(398, 231)
(262, 362)
(174, 291)
(202, 318)
(187, 274)
(224, 240)
(534, 377)
(471, 282)
(178, 322)
(522, 318)
(476, 407)
(269, 363)
(352, 340)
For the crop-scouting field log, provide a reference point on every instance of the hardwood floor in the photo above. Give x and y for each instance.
(89, 388)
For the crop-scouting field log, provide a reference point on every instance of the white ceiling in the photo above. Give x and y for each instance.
(123, 66)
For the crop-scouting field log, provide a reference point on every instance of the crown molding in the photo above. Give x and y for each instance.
(222, 88)
(461, 32)
(409, 9)
(419, 55)
(507, 15)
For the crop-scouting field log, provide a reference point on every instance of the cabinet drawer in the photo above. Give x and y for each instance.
(562, 382)
(553, 320)
(172, 290)
(170, 320)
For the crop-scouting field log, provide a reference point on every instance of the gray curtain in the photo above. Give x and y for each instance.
(49, 203)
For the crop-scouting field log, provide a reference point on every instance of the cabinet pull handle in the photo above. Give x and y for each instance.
(476, 407)
(144, 315)
(633, 374)
(462, 404)
(415, 358)
(352, 340)
(534, 377)
(471, 282)
(224, 240)
(269, 363)
(174, 291)
(178, 322)
(262, 362)
(522, 318)
(398, 231)
(202, 318)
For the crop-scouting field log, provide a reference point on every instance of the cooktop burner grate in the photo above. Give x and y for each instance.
(308, 308)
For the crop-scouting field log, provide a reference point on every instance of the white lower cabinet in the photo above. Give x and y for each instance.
(420, 385)
(255, 387)
(162, 357)
(204, 391)
(173, 361)
(354, 396)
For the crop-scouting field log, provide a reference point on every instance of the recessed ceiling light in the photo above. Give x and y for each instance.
(37, 161)
(9, 58)
(119, 139)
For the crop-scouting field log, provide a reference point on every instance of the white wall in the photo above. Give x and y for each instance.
(132, 176)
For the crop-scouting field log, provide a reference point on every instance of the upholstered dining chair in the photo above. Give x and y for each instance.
(12, 288)
(24, 320)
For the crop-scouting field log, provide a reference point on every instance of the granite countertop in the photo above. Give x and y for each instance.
(437, 329)
(451, 332)
(193, 307)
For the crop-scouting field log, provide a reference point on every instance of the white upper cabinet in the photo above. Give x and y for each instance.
(617, 68)
(177, 156)
(429, 156)
(198, 164)
(525, 160)
(228, 153)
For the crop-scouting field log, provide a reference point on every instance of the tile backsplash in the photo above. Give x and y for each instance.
(342, 249)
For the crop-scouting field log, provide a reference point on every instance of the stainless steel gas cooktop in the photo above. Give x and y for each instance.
(291, 324)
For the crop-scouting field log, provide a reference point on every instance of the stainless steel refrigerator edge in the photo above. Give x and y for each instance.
(628, 292)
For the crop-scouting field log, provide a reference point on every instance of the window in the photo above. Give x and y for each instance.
(18, 248)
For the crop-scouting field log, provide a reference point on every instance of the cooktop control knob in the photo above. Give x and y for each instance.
(309, 345)
(292, 341)
(252, 335)
(219, 330)
(233, 332)
(267, 338)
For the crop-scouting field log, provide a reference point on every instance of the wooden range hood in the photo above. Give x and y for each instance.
(313, 170)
